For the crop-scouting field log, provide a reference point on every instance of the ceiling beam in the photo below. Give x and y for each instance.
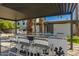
(65, 7)
(74, 6)
(57, 5)
(6, 19)
(59, 9)
(68, 7)
(71, 7)
(62, 8)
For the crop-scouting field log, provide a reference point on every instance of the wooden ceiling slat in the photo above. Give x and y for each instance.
(61, 6)
(65, 7)
(71, 6)
(74, 6)
(57, 5)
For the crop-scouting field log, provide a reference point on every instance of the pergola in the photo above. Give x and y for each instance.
(23, 11)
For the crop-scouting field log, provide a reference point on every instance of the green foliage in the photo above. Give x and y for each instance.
(75, 39)
(6, 24)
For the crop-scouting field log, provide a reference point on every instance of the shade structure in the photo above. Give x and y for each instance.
(21, 11)
(35, 10)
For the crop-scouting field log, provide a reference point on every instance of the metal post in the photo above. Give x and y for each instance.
(15, 27)
(71, 29)
(0, 46)
(35, 25)
(77, 29)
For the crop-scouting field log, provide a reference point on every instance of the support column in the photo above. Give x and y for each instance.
(41, 24)
(15, 27)
(30, 26)
(45, 28)
(34, 25)
(71, 29)
(77, 25)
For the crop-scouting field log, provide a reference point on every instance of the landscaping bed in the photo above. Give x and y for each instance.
(75, 39)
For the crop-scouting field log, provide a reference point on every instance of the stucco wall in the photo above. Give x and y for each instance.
(63, 28)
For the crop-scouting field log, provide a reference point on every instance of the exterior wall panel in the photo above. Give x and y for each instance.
(63, 28)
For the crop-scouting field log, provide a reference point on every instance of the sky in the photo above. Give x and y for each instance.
(57, 18)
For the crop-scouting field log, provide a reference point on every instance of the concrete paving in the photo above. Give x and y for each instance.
(6, 45)
(75, 51)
